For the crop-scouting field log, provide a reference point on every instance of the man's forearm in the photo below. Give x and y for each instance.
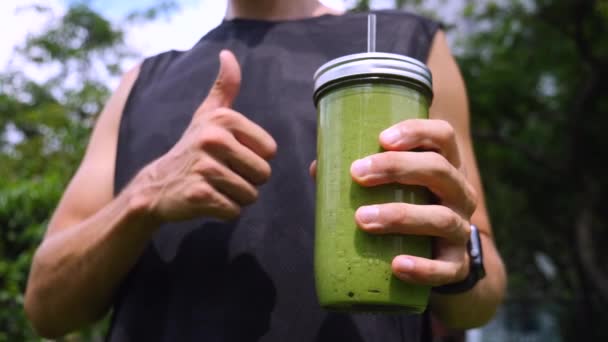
(76, 271)
(477, 306)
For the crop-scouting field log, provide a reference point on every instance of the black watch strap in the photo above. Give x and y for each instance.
(476, 269)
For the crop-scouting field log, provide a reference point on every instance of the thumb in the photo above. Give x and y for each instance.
(226, 86)
(312, 169)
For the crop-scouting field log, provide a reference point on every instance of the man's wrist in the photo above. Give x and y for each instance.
(141, 202)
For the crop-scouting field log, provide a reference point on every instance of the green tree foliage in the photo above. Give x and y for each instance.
(535, 71)
(49, 123)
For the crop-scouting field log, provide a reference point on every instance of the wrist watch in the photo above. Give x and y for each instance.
(476, 269)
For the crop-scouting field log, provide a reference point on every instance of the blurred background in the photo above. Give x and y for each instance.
(536, 72)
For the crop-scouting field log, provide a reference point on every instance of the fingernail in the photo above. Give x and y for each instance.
(405, 264)
(390, 136)
(368, 214)
(361, 167)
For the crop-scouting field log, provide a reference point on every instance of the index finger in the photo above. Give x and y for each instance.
(251, 135)
(424, 134)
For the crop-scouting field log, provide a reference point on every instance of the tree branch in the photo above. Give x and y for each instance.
(519, 148)
(584, 9)
(573, 29)
(586, 252)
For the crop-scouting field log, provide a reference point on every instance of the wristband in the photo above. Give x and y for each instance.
(476, 269)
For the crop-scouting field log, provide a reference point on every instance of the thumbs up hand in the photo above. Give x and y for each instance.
(213, 170)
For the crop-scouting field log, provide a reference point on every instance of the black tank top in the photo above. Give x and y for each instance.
(251, 279)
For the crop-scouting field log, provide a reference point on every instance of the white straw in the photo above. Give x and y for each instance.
(371, 33)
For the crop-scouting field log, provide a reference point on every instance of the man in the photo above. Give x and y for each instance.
(167, 221)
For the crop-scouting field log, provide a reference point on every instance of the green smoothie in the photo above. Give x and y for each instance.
(352, 267)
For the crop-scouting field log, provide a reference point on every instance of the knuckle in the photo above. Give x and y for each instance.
(415, 127)
(448, 222)
(386, 163)
(446, 130)
(402, 128)
(223, 116)
(395, 214)
(208, 169)
(439, 166)
(212, 137)
(199, 192)
(443, 164)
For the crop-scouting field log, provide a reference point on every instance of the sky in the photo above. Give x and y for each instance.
(179, 31)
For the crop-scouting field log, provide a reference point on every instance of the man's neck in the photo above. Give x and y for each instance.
(277, 9)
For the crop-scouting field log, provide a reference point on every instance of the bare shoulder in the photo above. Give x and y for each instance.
(92, 186)
(451, 104)
(450, 101)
